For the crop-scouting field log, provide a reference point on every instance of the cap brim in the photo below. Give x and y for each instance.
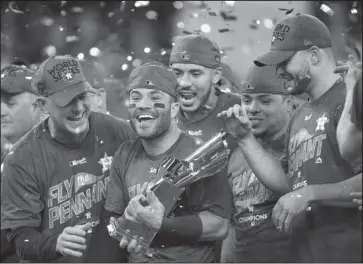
(65, 96)
(273, 57)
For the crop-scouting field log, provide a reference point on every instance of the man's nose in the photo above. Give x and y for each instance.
(184, 81)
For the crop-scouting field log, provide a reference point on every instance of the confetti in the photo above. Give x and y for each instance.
(111, 14)
(77, 9)
(102, 4)
(212, 13)
(222, 30)
(63, 13)
(12, 7)
(151, 14)
(63, 3)
(226, 16)
(180, 24)
(326, 9)
(47, 21)
(72, 39)
(187, 32)
(289, 11)
(205, 28)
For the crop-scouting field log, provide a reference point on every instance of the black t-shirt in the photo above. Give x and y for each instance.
(356, 111)
(254, 229)
(51, 186)
(330, 233)
(208, 194)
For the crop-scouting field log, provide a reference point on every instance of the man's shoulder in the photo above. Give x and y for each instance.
(27, 146)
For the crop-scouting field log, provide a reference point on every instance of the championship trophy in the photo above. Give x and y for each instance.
(205, 162)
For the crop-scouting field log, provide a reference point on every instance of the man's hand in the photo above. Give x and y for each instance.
(290, 205)
(150, 215)
(351, 71)
(72, 241)
(357, 199)
(236, 122)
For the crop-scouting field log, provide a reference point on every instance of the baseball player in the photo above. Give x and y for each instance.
(55, 178)
(317, 209)
(196, 63)
(203, 215)
(255, 238)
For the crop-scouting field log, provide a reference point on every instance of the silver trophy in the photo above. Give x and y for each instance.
(205, 162)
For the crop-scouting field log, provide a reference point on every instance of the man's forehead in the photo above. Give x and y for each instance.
(187, 67)
(146, 91)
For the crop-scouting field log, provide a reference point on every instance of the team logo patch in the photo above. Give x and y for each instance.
(148, 82)
(321, 123)
(68, 76)
(106, 162)
(153, 170)
(185, 56)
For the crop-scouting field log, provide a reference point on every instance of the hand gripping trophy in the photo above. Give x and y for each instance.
(206, 161)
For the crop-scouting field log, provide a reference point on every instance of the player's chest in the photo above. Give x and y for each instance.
(204, 129)
(311, 127)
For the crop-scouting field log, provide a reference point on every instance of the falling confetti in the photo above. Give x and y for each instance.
(286, 10)
(102, 4)
(223, 30)
(187, 32)
(63, 13)
(211, 13)
(72, 39)
(47, 21)
(122, 6)
(77, 9)
(63, 3)
(180, 24)
(228, 16)
(12, 7)
(61, 28)
(326, 9)
(205, 28)
(111, 14)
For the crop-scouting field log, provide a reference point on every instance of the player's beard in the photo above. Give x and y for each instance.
(159, 127)
(299, 83)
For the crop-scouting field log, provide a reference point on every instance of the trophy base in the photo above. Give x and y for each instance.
(168, 194)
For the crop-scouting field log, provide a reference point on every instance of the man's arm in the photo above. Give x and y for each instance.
(213, 227)
(265, 166)
(337, 194)
(349, 134)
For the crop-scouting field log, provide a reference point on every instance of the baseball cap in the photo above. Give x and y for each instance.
(92, 75)
(153, 75)
(293, 34)
(61, 79)
(263, 80)
(195, 49)
(17, 79)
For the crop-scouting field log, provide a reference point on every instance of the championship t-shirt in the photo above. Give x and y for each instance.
(209, 194)
(330, 234)
(256, 238)
(50, 186)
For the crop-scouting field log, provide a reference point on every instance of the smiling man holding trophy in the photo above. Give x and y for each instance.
(173, 204)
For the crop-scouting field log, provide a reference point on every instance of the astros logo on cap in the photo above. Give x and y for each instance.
(185, 56)
(148, 82)
(67, 75)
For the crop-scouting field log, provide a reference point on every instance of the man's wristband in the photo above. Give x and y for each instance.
(180, 230)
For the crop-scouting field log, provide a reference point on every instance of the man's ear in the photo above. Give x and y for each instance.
(41, 102)
(289, 102)
(217, 75)
(315, 55)
(175, 106)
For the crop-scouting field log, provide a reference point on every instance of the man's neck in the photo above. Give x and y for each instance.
(160, 145)
(64, 137)
(322, 84)
(209, 105)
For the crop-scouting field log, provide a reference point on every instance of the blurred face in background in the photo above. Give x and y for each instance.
(98, 100)
(225, 85)
(151, 112)
(269, 113)
(19, 113)
(195, 84)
